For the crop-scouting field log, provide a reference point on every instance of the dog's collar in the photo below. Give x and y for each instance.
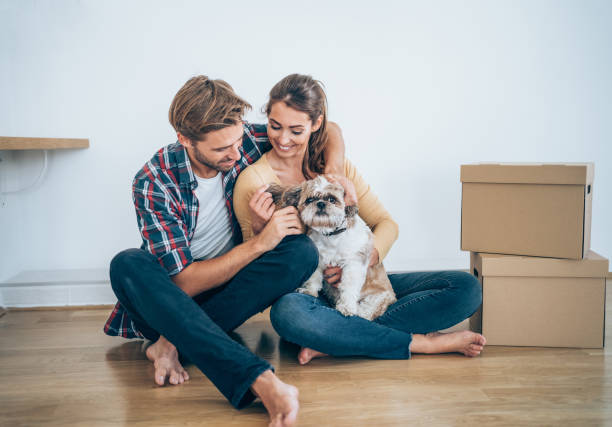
(336, 231)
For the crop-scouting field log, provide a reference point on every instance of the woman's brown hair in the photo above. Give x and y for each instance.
(204, 105)
(305, 94)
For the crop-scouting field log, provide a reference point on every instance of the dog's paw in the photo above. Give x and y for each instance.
(346, 309)
(308, 291)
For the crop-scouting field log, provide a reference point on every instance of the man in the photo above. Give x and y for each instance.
(192, 281)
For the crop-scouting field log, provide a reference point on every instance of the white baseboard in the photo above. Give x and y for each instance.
(56, 288)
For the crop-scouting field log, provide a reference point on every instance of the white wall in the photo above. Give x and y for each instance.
(418, 88)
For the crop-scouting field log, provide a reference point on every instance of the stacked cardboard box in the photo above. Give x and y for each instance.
(528, 229)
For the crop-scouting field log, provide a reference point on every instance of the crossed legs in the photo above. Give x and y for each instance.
(198, 327)
(427, 302)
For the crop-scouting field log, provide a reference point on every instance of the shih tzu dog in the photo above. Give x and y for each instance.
(343, 239)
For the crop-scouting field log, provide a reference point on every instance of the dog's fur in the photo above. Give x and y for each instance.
(343, 239)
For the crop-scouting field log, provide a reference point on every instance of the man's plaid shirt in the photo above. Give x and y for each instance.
(167, 210)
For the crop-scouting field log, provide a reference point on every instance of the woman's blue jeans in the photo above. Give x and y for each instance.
(426, 302)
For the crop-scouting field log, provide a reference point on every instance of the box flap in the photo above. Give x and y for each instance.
(529, 173)
(593, 265)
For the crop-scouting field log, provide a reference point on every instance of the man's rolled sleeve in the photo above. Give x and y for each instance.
(163, 231)
(176, 260)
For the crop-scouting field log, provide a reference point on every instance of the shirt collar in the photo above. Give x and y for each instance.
(186, 176)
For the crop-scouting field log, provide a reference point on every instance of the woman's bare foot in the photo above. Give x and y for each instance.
(164, 356)
(466, 342)
(280, 399)
(307, 354)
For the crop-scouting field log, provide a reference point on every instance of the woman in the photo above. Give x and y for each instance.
(426, 302)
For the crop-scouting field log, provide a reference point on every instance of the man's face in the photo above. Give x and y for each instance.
(217, 152)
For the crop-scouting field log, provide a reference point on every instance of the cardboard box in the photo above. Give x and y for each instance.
(544, 302)
(527, 209)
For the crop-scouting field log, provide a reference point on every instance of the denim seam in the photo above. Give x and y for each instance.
(419, 298)
(325, 307)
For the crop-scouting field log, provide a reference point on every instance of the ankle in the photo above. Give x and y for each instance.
(264, 382)
(420, 344)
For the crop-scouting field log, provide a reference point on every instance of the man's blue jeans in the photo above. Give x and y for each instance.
(426, 302)
(198, 326)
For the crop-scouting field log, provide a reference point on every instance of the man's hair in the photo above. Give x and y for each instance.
(204, 105)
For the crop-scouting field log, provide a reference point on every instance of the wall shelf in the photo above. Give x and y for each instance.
(25, 143)
(18, 145)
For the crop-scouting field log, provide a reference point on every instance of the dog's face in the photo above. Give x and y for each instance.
(321, 205)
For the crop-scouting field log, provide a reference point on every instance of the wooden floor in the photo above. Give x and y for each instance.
(58, 368)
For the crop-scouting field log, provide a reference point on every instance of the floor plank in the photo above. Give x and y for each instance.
(58, 368)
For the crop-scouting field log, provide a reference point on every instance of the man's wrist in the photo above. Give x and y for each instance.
(257, 245)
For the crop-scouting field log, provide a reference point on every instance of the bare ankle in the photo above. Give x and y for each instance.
(263, 382)
(420, 344)
(307, 354)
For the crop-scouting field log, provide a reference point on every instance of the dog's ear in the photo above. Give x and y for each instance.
(283, 196)
(351, 211)
(291, 197)
(277, 193)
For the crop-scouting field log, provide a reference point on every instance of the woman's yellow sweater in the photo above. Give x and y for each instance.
(371, 210)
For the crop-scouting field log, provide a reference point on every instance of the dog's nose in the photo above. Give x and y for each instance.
(321, 205)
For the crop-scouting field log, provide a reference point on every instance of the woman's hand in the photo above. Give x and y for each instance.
(350, 194)
(333, 275)
(261, 208)
(374, 257)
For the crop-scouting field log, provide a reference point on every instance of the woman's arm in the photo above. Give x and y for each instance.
(247, 184)
(372, 211)
(334, 152)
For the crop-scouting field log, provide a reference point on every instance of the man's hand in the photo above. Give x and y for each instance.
(261, 208)
(284, 222)
(350, 194)
(333, 275)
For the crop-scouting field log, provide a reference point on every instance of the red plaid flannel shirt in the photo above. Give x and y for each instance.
(167, 210)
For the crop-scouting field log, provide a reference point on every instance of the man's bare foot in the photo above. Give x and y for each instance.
(164, 356)
(280, 399)
(466, 342)
(307, 354)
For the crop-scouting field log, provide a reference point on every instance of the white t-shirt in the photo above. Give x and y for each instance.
(213, 234)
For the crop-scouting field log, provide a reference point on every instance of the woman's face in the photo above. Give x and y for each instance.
(289, 130)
